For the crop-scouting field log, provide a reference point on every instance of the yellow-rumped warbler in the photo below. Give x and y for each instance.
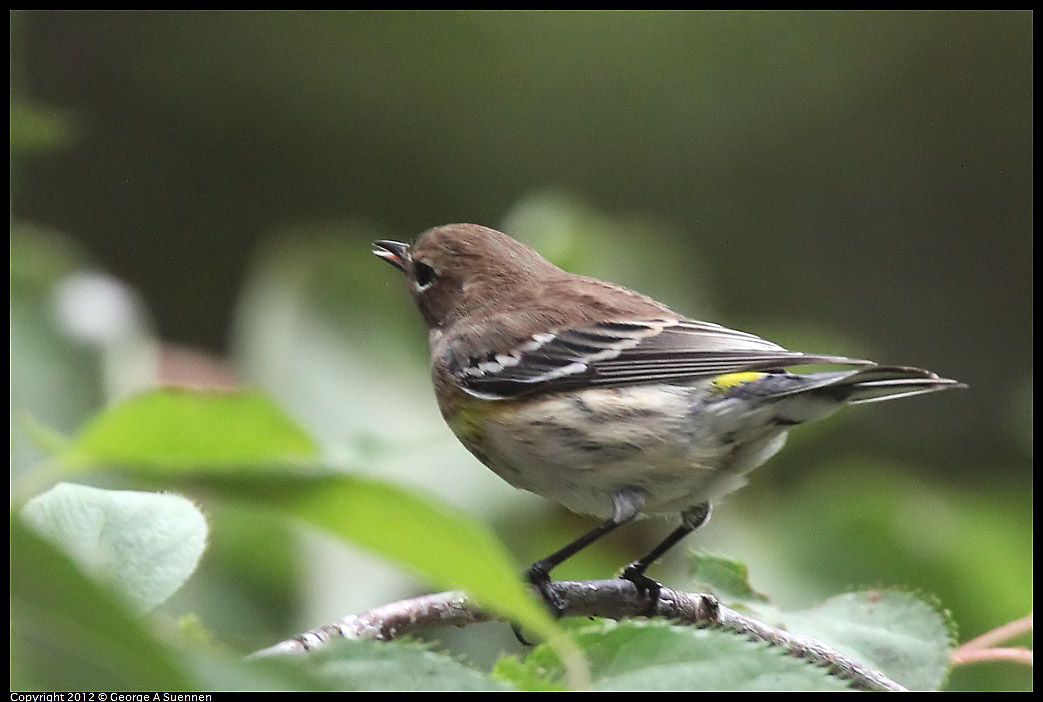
(603, 399)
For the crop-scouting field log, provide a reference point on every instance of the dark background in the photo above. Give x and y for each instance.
(839, 182)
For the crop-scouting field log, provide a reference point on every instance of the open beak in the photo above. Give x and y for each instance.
(394, 252)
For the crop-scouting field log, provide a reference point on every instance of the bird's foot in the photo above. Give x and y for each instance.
(635, 573)
(540, 580)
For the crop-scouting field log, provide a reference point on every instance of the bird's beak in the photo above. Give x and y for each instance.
(394, 252)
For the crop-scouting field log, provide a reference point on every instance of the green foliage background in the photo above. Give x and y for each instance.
(842, 182)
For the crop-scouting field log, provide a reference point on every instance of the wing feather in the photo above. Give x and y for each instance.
(620, 353)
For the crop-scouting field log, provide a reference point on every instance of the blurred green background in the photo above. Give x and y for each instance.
(193, 195)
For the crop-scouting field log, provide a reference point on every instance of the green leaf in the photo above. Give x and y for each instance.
(377, 666)
(36, 129)
(440, 544)
(527, 678)
(190, 429)
(725, 577)
(900, 634)
(56, 381)
(145, 544)
(659, 656)
(69, 632)
(240, 446)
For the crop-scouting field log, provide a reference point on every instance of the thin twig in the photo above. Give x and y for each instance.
(999, 635)
(614, 599)
(1019, 654)
(986, 648)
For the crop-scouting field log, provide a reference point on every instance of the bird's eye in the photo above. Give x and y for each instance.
(424, 274)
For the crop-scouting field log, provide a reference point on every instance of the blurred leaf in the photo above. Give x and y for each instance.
(256, 546)
(444, 546)
(638, 252)
(899, 634)
(178, 434)
(525, 677)
(190, 430)
(79, 338)
(97, 310)
(218, 670)
(810, 530)
(56, 381)
(905, 636)
(250, 586)
(330, 332)
(381, 666)
(40, 257)
(144, 544)
(659, 656)
(887, 524)
(192, 629)
(69, 633)
(725, 577)
(35, 129)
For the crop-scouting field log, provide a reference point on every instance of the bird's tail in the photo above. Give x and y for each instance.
(890, 382)
(873, 384)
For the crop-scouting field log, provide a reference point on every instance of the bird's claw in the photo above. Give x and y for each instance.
(540, 580)
(645, 585)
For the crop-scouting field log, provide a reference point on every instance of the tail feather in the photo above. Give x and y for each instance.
(889, 382)
(802, 398)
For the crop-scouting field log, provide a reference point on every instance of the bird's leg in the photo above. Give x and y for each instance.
(539, 572)
(635, 572)
(626, 505)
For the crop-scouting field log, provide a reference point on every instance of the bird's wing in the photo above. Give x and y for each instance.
(619, 353)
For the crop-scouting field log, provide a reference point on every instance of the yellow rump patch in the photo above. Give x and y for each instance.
(724, 383)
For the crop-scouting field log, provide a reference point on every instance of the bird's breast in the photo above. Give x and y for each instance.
(674, 443)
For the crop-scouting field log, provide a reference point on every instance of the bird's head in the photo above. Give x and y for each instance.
(454, 270)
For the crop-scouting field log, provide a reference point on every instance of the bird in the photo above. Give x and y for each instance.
(605, 400)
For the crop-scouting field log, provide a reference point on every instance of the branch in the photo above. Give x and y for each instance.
(986, 649)
(999, 634)
(1018, 654)
(613, 599)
